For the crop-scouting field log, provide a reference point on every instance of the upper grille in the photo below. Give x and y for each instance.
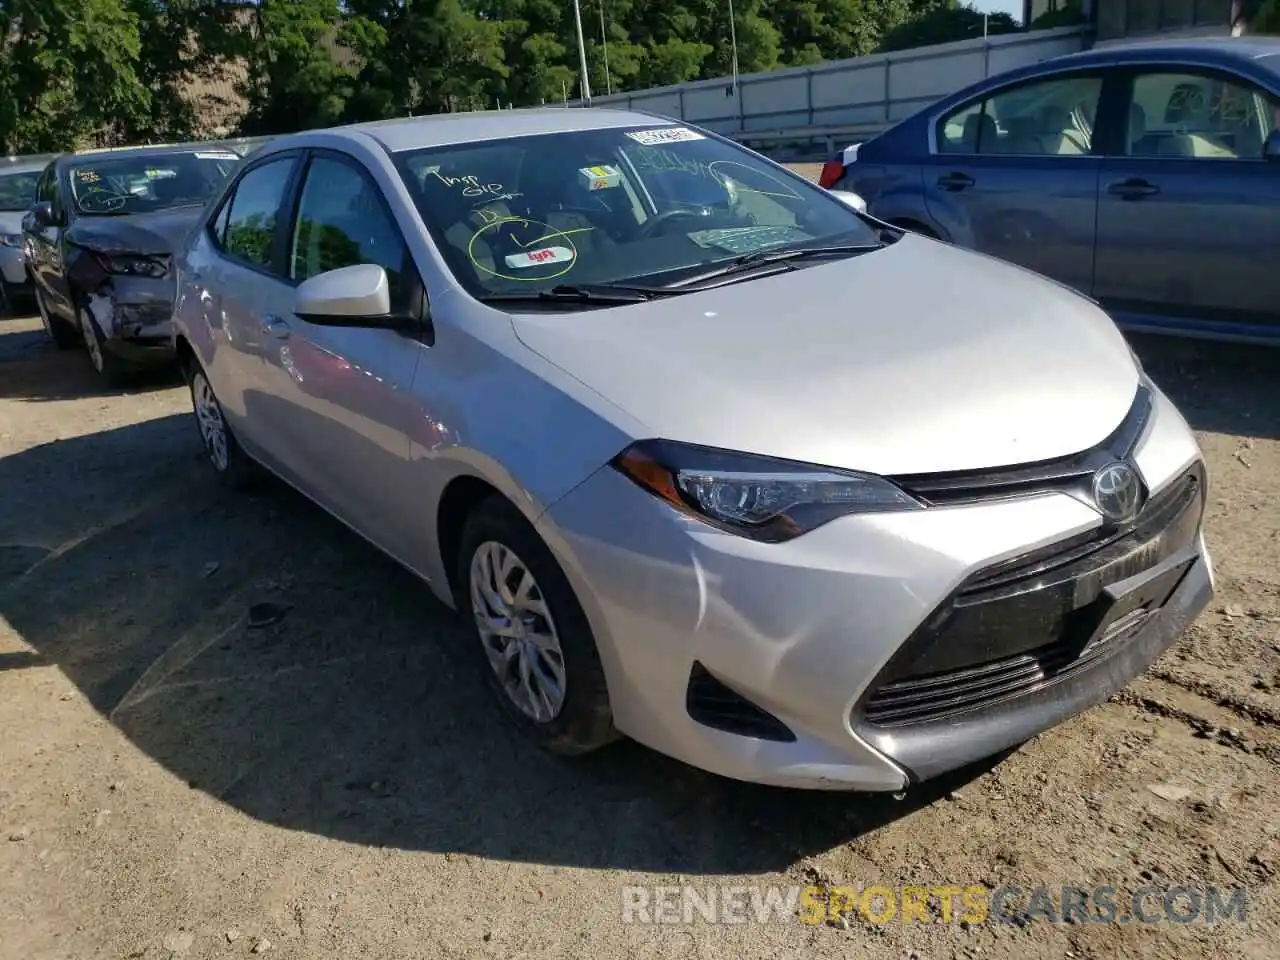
(1020, 624)
(1068, 474)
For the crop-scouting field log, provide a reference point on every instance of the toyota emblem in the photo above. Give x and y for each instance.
(1117, 491)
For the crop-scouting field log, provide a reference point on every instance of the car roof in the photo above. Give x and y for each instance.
(1223, 51)
(18, 165)
(159, 150)
(411, 133)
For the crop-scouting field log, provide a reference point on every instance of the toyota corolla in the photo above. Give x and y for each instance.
(761, 482)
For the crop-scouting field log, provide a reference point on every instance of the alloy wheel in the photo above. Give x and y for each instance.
(213, 428)
(517, 632)
(91, 343)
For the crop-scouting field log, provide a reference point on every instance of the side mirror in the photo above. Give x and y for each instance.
(1271, 149)
(355, 296)
(851, 199)
(42, 214)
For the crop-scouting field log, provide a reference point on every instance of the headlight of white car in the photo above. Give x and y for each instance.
(757, 497)
(10, 240)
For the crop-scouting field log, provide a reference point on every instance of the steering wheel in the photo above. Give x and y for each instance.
(98, 200)
(654, 224)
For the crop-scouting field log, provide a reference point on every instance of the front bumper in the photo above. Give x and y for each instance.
(135, 317)
(804, 635)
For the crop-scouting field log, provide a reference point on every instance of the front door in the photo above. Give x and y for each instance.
(348, 389)
(47, 269)
(1015, 174)
(1189, 209)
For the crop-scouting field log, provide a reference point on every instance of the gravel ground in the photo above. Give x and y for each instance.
(174, 783)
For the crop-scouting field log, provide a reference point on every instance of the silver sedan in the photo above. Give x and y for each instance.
(704, 455)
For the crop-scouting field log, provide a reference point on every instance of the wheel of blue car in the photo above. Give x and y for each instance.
(232, 466)
(59, 331)
(106, 364)
(532, 639)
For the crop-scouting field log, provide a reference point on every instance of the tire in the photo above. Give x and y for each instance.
(582, 720)
(60, 332)
(110, 368)
(230, 463)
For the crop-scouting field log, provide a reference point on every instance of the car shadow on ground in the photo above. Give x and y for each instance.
(359, 714)
(1219, 387)
(33, 369)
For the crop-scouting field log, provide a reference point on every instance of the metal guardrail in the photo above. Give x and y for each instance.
(880, 88)
(828, 136)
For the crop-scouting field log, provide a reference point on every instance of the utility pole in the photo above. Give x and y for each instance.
(733, 42)
(604, 42)
(582, 54)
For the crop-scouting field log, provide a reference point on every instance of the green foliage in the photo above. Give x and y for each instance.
(79, 72)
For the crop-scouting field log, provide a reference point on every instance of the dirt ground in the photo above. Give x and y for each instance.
(174, 783)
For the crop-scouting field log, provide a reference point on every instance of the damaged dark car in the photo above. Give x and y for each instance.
(100, 242)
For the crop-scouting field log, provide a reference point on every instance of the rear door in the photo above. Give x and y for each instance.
(1014, 173)
(1189, 209)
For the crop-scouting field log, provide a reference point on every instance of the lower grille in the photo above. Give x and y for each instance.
(712, 704)
(1019, 625)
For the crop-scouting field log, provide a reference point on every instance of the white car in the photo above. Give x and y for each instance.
(741, 473)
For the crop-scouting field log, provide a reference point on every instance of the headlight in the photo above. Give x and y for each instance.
(133, 265)
(10, 239)
(757, 497)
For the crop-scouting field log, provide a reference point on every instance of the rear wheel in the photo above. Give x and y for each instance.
(59, 331)
(533, 641)
(232, 466)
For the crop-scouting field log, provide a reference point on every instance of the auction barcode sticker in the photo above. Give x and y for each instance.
(664, 135)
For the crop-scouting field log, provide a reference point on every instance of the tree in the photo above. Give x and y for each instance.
(942, 21)
(293, 79)
(68, 74)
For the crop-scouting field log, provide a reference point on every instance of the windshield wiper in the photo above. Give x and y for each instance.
(601, 294)
(756, 258)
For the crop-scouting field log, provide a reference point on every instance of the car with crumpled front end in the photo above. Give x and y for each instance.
(17, 194)
(757, 480)
(100, 239)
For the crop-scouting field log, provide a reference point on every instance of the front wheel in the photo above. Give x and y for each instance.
(535, 645)
(108, 366)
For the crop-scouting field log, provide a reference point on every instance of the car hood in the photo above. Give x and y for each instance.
(917, 358)
(145, 233)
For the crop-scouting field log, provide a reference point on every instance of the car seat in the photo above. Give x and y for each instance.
(980, 133)
(1059, 133)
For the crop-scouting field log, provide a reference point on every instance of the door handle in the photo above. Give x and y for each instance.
(955, 181)
(275, 327)
(1133, 189)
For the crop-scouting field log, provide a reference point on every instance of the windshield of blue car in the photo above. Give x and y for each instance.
(610, 206)
(118, 185)
(18, 191)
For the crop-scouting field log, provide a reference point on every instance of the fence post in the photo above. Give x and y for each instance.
(888, 93)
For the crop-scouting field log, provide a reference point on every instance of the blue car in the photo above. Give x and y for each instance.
(1146, 176)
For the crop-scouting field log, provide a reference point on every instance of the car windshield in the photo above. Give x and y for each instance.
(646, 205)
(116, 185)
(18, 190)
